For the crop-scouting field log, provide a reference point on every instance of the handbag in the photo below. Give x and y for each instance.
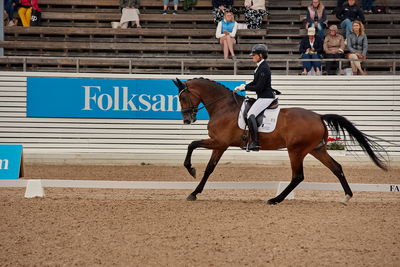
(36, 18)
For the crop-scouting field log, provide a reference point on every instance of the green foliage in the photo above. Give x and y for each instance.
(335, 144)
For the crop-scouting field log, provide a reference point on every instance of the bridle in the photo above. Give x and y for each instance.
(191, 109)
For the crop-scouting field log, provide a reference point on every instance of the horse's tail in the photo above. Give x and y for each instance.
(340, 124)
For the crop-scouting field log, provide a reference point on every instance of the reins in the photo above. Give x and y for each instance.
(234, 97)
(193, 109)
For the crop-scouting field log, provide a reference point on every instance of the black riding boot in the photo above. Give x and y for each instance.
(254, 146)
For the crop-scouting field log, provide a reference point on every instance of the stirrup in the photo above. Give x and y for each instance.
(253, 147)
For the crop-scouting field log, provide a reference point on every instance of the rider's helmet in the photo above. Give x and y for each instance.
(260, 49)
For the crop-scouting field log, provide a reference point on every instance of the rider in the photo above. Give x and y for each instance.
(262, 86)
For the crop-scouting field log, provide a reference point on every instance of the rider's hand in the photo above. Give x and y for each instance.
(240, 88)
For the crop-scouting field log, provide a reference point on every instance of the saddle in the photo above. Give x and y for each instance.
(250, 101)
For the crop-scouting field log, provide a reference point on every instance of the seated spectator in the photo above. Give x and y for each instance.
(311, 48)
(130, 13)
(333, 48)
(219, 8)
(254, 13)
(357, 44)
(367, 6)
(316, 17)
(25, 11)
(226, 32)
(9, 7)
(339, 4)
(165, 10)
(348, 13)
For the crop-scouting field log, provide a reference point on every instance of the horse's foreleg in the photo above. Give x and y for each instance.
(215, 157)
(188, 159)
(296, 161)
(205, 143)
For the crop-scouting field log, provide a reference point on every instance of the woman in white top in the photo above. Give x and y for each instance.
(226, 32)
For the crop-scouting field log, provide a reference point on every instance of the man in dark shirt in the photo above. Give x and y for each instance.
(348, 13)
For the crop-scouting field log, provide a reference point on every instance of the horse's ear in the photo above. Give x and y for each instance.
(179, 84)
(176, 83)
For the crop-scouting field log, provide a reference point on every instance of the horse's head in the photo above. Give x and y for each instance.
(189, 102)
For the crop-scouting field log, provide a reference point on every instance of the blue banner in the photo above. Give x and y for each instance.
(10, 161)
(106, 98)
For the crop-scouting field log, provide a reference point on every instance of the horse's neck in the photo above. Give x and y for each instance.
(222, 101)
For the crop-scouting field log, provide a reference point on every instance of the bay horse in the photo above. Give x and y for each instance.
(299, 130)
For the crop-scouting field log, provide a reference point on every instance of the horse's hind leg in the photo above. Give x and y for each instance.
(215, 157)
(296, 161)
(322, 155)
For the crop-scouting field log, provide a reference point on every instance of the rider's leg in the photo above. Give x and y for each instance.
(254, 145)
(254, 111)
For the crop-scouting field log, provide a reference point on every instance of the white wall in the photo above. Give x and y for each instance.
(371, 102)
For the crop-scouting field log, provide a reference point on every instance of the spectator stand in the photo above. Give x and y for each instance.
(82, 29)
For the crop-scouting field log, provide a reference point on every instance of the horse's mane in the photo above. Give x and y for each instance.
(211, 81)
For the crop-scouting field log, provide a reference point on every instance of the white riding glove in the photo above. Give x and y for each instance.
(240, 87)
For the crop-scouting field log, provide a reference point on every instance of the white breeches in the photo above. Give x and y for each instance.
(259, 106)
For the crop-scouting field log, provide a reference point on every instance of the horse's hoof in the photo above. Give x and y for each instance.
(272, 201)
(191, 197)
(192, 172)
(346, 199)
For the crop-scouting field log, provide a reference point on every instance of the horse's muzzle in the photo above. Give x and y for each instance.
(189, 120)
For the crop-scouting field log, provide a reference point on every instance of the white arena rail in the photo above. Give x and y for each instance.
(371, 102)
(34, 188)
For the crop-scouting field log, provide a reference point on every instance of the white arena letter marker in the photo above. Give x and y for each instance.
(34, 189)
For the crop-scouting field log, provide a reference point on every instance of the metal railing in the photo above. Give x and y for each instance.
(184, 63)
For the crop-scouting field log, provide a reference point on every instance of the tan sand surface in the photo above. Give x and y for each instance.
(92, 227)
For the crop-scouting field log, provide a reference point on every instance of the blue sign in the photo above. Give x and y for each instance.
(10, 161)
(106, 98)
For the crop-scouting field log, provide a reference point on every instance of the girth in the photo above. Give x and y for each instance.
(250, 101)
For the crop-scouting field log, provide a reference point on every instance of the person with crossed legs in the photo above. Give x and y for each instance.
(357, 44)
(226, 32)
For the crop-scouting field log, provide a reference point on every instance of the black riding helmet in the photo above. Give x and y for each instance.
(260, 49)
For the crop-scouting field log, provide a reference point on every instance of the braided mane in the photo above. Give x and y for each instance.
(212, 81)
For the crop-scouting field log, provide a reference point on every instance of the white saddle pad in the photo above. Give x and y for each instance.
(269, 120)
